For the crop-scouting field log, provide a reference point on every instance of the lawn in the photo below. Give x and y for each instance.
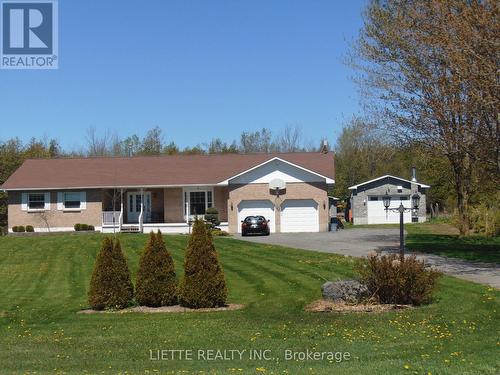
(43, 283)
(443, 239)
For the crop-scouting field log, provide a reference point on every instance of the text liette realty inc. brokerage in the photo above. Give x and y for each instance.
(247, 354)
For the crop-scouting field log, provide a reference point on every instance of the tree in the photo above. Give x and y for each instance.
(98, 145)
(259, 141)
(290, 140)
(130, 146)
(110, 285)
(171, 149)
(432, 68)
(203, 284)
(156, 282)
(152, 143)
(217, 146)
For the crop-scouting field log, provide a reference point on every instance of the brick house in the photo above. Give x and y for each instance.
(165, 192)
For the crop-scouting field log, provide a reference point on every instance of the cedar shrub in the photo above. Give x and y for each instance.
(110, 285)
(156, 283)
(203, 284)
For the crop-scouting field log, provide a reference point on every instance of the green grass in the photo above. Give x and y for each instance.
(441, 238)
(44, 280)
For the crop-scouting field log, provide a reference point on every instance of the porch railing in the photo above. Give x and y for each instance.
(110, 217)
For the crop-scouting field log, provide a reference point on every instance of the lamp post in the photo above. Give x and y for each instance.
(415, 202)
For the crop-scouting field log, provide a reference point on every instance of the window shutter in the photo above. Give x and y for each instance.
(83, 200)
(60, 203)
(47, 201)
(24, 201)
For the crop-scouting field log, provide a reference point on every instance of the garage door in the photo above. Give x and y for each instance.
(378, 215)
(299, 215)
(254, 208)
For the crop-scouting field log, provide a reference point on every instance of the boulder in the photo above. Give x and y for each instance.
(351, 291)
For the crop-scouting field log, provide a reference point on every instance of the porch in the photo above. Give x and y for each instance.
(168, 209)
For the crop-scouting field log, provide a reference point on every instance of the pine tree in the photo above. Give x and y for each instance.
(203, 284)
(110, 285)
(156, 282)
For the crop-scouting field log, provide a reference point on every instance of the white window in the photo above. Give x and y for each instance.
(71, 200)
(197, 201)
(35, 201)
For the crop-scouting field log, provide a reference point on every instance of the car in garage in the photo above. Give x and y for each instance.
(255, 225)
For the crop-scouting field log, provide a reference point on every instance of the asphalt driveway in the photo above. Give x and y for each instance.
(354, 242)
(358, 242)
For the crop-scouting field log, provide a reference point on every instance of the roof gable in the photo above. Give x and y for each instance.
(354, 187)
(276, 168)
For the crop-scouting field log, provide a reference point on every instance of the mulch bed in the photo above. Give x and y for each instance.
(163, 309)
(340, 307)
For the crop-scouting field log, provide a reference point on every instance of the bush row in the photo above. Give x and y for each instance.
(22, 228)
(84, 227)
(156, 284)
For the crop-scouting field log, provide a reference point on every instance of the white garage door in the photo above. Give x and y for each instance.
(254, 208)
(299, 215)
(378, 215)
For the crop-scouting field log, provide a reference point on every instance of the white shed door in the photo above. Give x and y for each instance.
(378, 215)
(257, 208)
(299, 215)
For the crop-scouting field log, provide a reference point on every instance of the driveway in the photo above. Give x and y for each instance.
(358, 242)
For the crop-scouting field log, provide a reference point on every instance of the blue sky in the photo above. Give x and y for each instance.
(197, 69)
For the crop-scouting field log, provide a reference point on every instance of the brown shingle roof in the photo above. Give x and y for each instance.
(151, 170)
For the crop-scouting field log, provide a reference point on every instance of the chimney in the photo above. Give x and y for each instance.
(324, 146)
(413, 174)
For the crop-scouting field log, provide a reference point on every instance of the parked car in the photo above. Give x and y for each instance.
(255, 225)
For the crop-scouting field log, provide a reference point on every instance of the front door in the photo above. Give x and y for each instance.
(134, 206)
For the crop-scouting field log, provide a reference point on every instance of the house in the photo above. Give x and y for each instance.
(367, 206)
(165, 192)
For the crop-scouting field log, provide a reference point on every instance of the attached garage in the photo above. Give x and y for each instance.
(255, 208)
(299, 215)
(378, 215)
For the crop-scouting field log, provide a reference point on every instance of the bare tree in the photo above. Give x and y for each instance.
(98, 145)
(432, 66)
(290, 139)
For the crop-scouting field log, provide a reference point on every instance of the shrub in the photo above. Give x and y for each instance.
(21, 229)
(219, 233)
(485, 217)
(14, 228)
(392, 280)
(110, 285)
(84, 227)
(77, 227)
(203, 284)
(156, 283)
(91, 228)
(212, 217)
(29, 228)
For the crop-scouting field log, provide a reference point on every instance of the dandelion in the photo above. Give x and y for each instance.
(407, 367)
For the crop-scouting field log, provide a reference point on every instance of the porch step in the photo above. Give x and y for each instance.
(130, 229)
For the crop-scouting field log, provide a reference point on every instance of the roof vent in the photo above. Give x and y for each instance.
(324, 146)
(413, 174)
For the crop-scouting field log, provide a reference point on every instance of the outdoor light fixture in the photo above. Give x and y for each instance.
(415, 201)
(387, 200)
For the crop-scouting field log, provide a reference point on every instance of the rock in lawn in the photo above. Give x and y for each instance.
(351, 291)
